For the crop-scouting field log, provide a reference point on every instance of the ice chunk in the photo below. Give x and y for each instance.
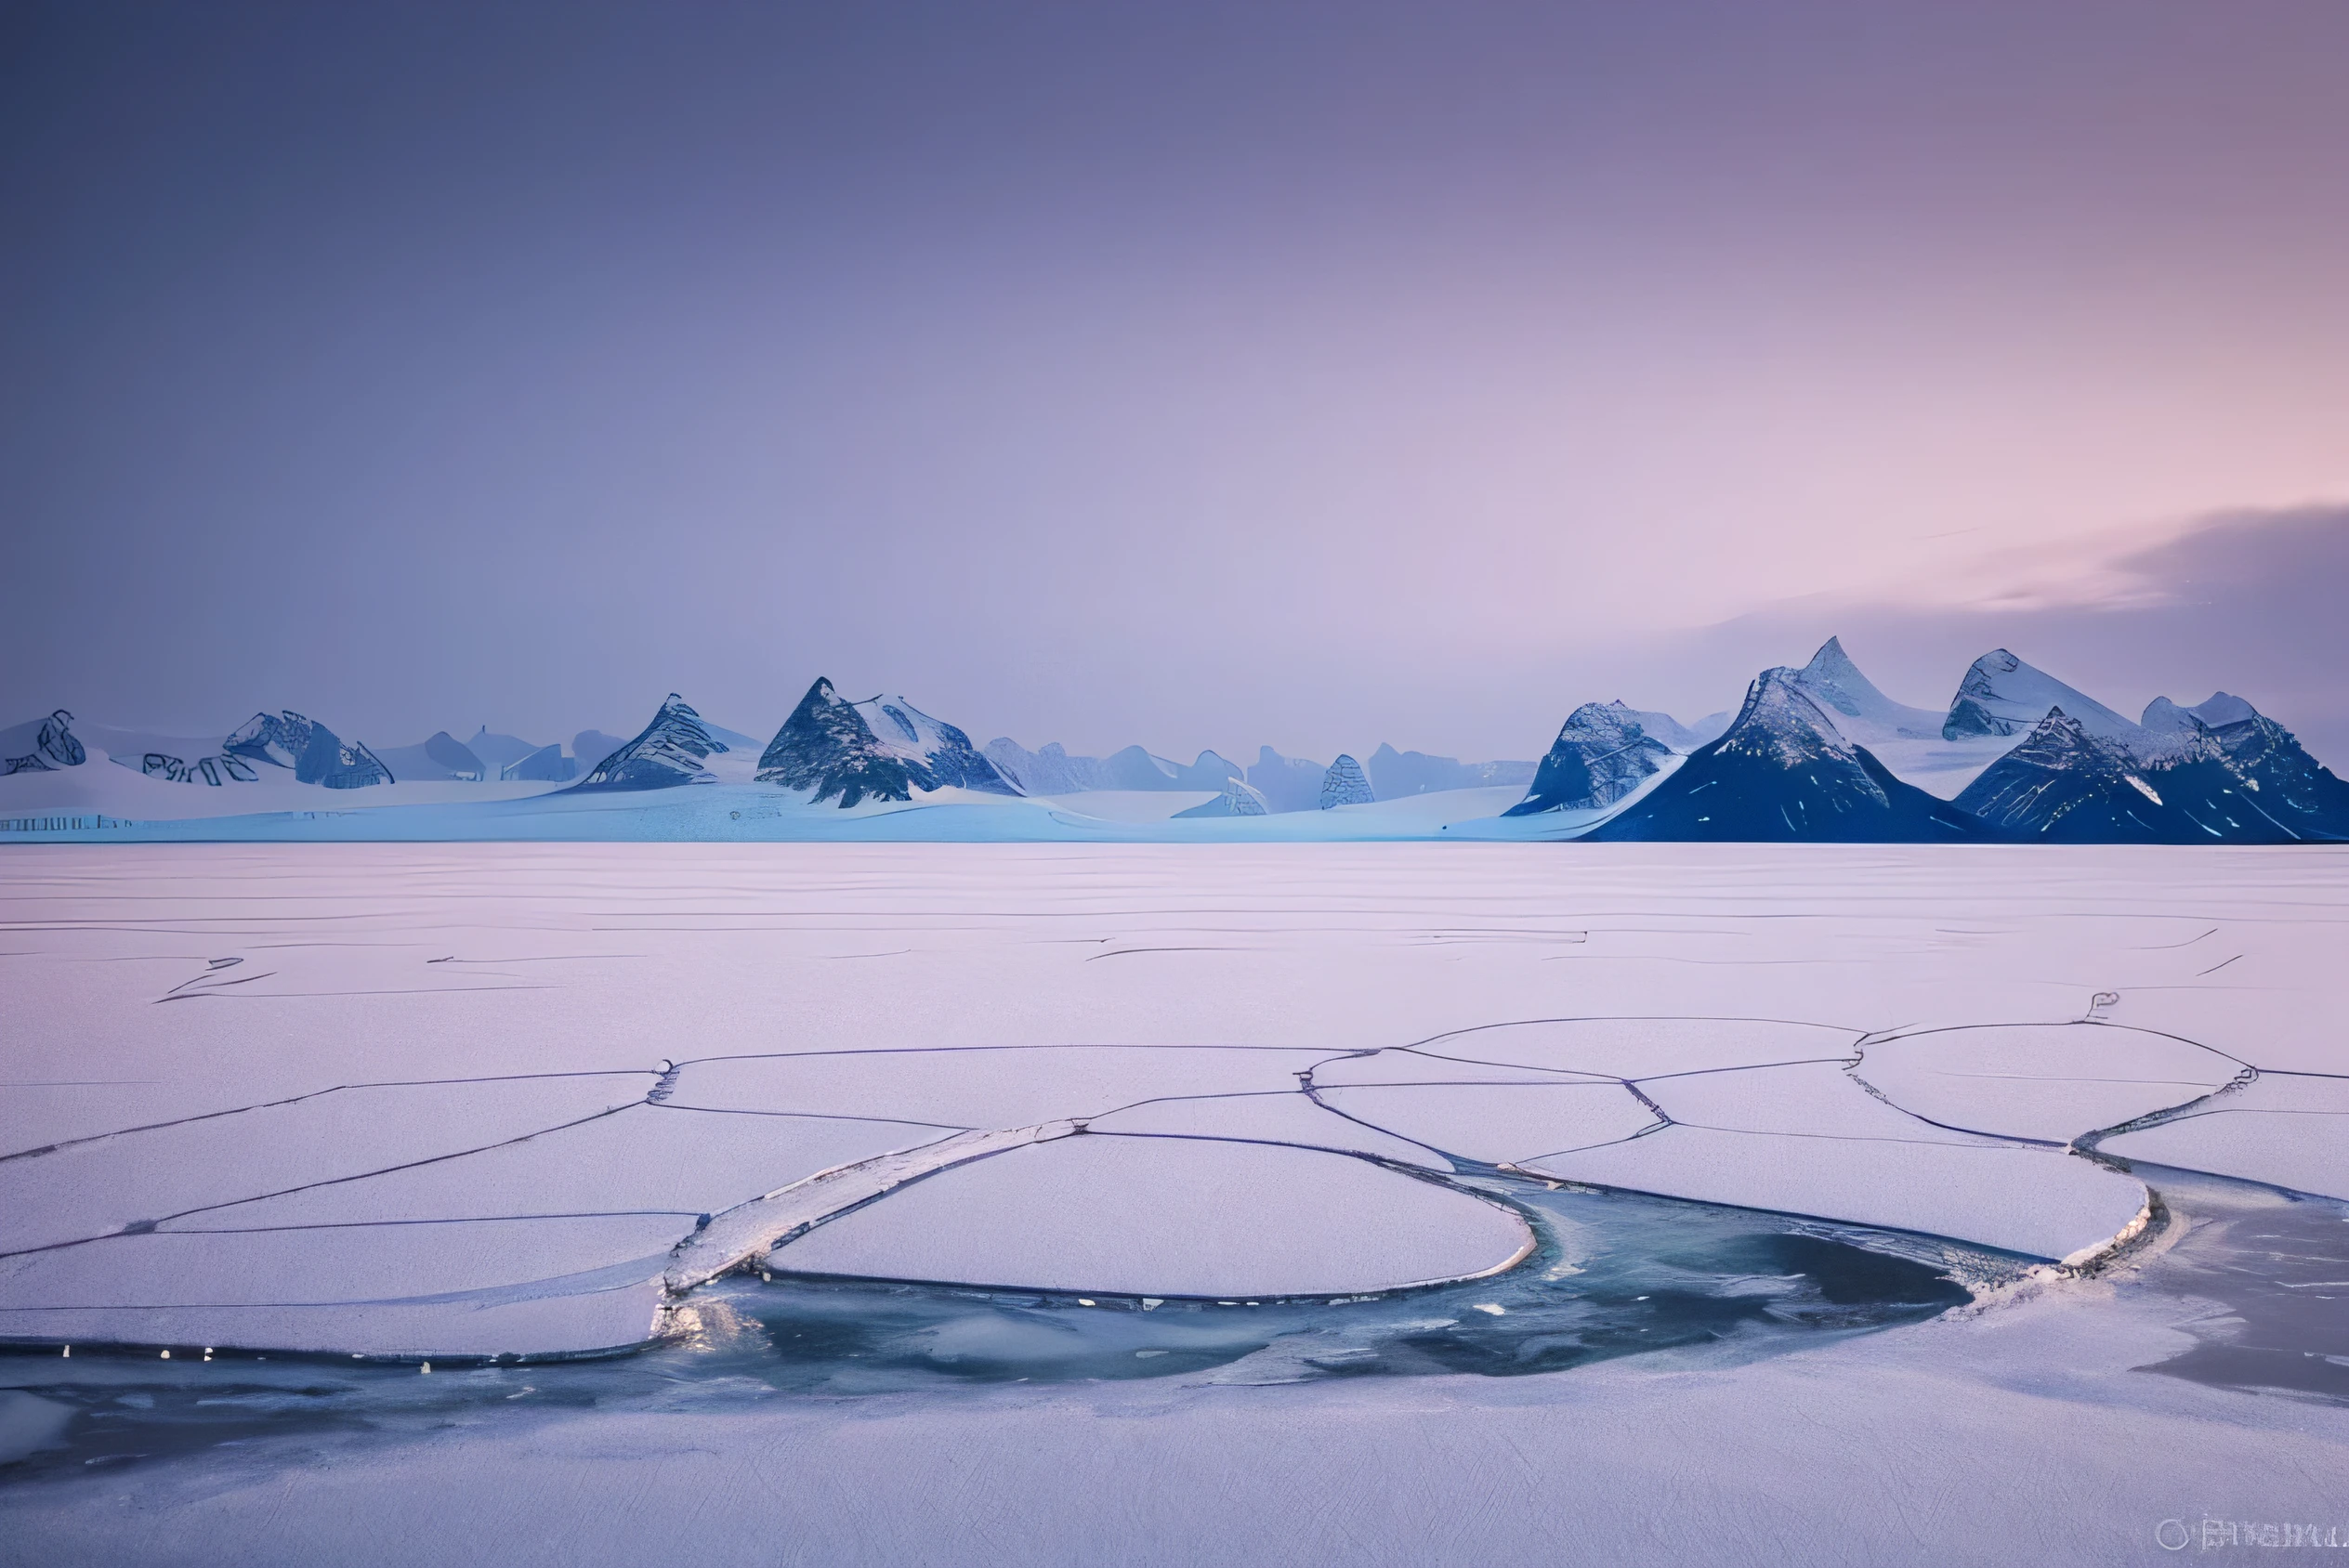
(1807, 1140)
(2051, 1082)
(2289, 1130)
(1115, 1214)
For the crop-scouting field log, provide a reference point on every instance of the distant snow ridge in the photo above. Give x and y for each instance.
(1051, 771)
(673, 749)
(2247, 781)
(1785, 772)
(1683, 738)
(449, 752)
(1862, 712)
(51, 746)
(1345, 784)
(2001, 695)
(1239, 799)
(1394, 774)
(1602, 754)
(546, 765)
(1287, 783)
(314, 753)
(884, 748)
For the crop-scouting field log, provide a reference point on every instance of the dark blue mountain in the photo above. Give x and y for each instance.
(1783, 772)
(883, 749)
(2244, 782)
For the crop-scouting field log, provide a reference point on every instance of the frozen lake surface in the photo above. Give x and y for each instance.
(1061, 1203)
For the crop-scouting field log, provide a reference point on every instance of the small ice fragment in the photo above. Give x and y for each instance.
(1495, 1308)
(765, 1278)
(1150, 1302)
(69, 1351)
(1084, 1300)
(166, 1355)
(1639, 1297)
(425, 1369)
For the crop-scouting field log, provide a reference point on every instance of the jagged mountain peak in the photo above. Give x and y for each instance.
(673, 749)
(1781, 723)
(2061, 741)
(1785, 772)
(1603, 753)
(2186, 784)
(314, 753)
(880, 747)
(2001, 695)
(2221, 709)
(1861, 710)
(41, 745)
(1345, 784)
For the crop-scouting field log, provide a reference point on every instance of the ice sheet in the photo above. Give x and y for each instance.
(2049, 1082)
(199, 1272)
(1168, 1216)
(1498, 1123)
(1289, 1117)
(2031, 1201)
(848, 979)
(646, 1157)
(2289, 1130)
(1808, 1140)
(339, 1137)
(1617, 1047)
(2028, 1418)
(985, 1087)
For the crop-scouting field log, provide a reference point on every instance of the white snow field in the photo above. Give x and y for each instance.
(526, 1101)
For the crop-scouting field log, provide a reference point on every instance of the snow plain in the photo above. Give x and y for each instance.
(418, 1099)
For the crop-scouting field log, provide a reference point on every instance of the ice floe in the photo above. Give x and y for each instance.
(439, 1100)
(2048, 1082)
(1169, 1216)
(2288, 1129)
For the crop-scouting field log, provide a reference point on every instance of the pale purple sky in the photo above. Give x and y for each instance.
(1193, 374)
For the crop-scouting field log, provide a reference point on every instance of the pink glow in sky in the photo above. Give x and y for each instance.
(1194, 375)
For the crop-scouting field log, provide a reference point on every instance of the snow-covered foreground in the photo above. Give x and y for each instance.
(1100, 1104)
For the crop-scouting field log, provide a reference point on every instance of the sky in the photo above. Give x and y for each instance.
(1193, 374)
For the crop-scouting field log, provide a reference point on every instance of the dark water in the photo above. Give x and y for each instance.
(1615, 1276)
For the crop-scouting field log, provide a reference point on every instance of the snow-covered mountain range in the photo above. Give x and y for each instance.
(1816, 752)
(1784, 771)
